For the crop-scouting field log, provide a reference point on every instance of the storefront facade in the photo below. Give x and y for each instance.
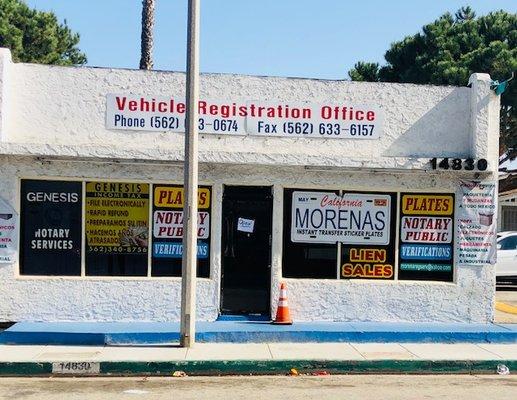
(358, 195)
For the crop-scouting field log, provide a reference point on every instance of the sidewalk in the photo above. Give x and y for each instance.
(258, 358)
(138, 333)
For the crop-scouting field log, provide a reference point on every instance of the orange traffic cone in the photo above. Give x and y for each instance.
(282, 312)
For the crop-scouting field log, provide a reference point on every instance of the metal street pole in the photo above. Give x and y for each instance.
(188, 267)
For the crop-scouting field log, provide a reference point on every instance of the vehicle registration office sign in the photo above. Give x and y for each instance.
(353, 218)
(248, 117)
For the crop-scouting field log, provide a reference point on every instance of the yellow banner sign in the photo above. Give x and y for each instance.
(427, 204)
(173, 197)
(359, 270)
(367, 263)
(117, 217)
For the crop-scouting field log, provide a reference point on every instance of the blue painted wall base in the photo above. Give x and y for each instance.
(148, 333)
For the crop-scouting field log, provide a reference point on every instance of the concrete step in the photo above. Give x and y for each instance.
(139, 333)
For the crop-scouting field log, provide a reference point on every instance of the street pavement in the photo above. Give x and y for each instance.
(506, 296)
(350, 387)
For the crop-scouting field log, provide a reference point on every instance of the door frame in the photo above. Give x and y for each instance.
(270, 250)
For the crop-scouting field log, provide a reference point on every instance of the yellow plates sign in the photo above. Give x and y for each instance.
(174, 197)
(428, 204)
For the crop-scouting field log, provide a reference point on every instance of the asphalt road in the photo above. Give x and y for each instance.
(351, 387)
(507, 296)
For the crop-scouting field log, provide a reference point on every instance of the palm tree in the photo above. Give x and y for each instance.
(146, 41)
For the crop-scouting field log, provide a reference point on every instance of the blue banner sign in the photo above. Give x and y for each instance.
(175, 250)
(425, 252)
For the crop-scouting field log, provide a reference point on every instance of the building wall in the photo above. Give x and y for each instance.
(60, 105)
(468, 299)
(52, 125)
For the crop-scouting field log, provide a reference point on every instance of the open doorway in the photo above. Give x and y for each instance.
(246, 249)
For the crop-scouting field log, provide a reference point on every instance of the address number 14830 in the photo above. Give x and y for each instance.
(458, 164)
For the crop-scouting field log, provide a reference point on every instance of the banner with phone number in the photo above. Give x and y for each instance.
(117, 217)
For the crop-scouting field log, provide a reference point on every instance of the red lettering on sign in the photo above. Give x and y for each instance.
(121, 103)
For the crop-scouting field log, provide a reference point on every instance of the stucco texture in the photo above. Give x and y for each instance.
(468, 299)
(52, 125)
(59, 105)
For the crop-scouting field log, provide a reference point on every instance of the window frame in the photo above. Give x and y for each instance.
(83, 180)
(286, 235)
(398, 196)
(18, 269)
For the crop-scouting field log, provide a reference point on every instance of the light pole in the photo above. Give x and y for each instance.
(189, 260)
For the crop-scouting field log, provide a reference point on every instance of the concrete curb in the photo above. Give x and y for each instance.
(270, 367)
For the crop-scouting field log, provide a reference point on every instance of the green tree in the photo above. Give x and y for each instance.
(36, 36)
(451, 48)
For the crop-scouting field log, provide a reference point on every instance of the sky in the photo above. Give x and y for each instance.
(295, 38)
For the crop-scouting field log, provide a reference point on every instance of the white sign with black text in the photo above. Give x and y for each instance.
(353, 218)
(169, 224)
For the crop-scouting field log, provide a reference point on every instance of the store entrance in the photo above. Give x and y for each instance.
(246, 249)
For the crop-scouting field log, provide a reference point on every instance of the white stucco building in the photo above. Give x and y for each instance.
(343, 202)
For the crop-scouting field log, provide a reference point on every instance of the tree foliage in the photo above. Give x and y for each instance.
(36, 36)
(448, 51)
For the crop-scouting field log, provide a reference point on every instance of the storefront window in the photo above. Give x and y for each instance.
(117, 228)
(119, 237)
(167, 236)
(426, 236)
(370, 253)
(304, 259)
(361, 228)
(50, 233)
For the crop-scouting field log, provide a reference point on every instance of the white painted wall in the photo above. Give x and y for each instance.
(64, 105)
(58, 113)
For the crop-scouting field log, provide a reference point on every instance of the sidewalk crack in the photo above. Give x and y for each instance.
(409, 351)
(270, 352)
(357, 351)
(489, 351)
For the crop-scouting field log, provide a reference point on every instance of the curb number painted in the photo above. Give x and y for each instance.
(76, 368)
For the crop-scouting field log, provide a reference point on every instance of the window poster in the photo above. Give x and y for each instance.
(477, 227)
(117, 217)
(370, 258)
(167, 247)
(426, 236)
(300, 259)
(50, 232)
(8, 233)
(117, 228)
(350, 218)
